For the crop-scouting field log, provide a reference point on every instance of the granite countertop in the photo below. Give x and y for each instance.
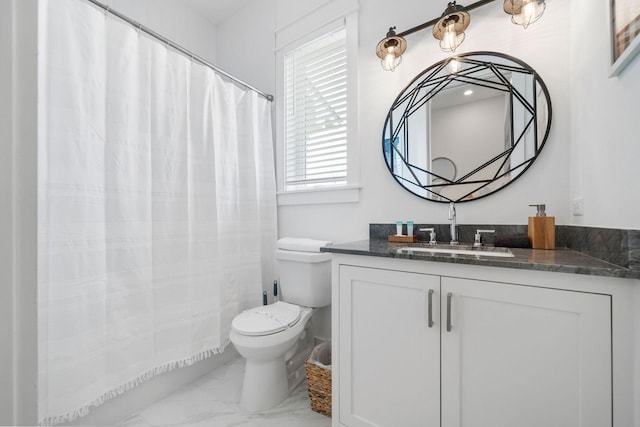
(558, 260)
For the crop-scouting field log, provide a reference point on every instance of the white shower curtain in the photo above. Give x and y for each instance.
(157, 214)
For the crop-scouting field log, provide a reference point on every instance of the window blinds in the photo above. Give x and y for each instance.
(316, 113)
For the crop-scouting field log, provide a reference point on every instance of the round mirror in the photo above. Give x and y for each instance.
(466, 127)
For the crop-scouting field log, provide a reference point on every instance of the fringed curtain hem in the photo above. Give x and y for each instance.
(84, 410)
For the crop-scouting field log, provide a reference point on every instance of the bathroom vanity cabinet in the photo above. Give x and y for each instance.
(431, 344)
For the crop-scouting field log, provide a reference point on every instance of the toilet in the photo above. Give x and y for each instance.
(276, 338)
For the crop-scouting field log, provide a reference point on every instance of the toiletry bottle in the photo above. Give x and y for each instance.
(410, 228)
(542, 229)
(398, 228)
(275, 291)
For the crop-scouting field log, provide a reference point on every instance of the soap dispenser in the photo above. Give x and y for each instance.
(542, 229)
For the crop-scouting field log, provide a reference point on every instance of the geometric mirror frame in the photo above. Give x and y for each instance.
(486, 113)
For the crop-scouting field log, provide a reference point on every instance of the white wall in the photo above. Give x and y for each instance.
(18, 144)
(6, 219)
(605, 131)
(246, 56)
(592, 146)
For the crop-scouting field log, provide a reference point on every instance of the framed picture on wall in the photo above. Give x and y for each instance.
(625, 33)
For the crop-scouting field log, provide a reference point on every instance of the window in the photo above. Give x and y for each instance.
(315, 125)
(317, 159)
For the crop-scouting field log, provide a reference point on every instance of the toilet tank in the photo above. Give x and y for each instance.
(305, 277)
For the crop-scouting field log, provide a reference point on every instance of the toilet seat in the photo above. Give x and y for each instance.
(266, 319)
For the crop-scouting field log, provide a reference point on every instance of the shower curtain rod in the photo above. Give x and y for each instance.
(177, 47)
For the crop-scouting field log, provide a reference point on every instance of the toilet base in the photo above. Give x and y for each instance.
(266, 379)
(257, 374)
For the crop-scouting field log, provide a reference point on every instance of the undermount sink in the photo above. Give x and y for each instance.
(457, 250)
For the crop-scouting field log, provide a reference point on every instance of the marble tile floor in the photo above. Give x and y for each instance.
(213, 401)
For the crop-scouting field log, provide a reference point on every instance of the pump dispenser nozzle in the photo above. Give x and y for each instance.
(541, 210)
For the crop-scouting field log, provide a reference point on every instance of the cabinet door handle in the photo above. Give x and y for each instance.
(430, 321)
(449, 295)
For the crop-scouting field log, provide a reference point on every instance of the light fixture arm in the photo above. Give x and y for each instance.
(450, 27)
(434, 21)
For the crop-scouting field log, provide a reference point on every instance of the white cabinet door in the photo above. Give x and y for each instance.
(389, 353)
(524, 356)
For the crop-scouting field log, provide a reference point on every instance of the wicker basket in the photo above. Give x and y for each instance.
(319, 384)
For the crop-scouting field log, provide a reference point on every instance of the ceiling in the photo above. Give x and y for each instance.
(216, 11)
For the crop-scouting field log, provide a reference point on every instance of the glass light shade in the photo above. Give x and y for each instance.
(390, 62)
(524, 12)
(451, 26)
(390, 50)
(451, 39)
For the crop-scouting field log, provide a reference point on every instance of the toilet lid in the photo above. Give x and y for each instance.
(266, 319)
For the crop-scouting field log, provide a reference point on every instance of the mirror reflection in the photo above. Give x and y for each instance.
(466, 127)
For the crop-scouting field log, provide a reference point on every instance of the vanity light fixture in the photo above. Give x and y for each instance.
(524, 12)
(390, 50)
(449, 28)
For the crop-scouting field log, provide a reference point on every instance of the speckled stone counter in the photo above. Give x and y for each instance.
(619, 247)
(558, 260)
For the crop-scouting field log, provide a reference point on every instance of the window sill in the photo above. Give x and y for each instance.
(320, 196)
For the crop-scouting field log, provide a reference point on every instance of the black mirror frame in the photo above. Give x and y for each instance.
(432, 71)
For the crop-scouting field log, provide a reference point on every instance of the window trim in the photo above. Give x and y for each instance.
(319, 196)
(346, 193)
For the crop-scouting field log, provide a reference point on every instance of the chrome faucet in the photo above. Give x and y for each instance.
(432, 235)
(478, 237)
(452, 218)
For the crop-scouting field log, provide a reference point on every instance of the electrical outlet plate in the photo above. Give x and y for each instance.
(577, 206)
